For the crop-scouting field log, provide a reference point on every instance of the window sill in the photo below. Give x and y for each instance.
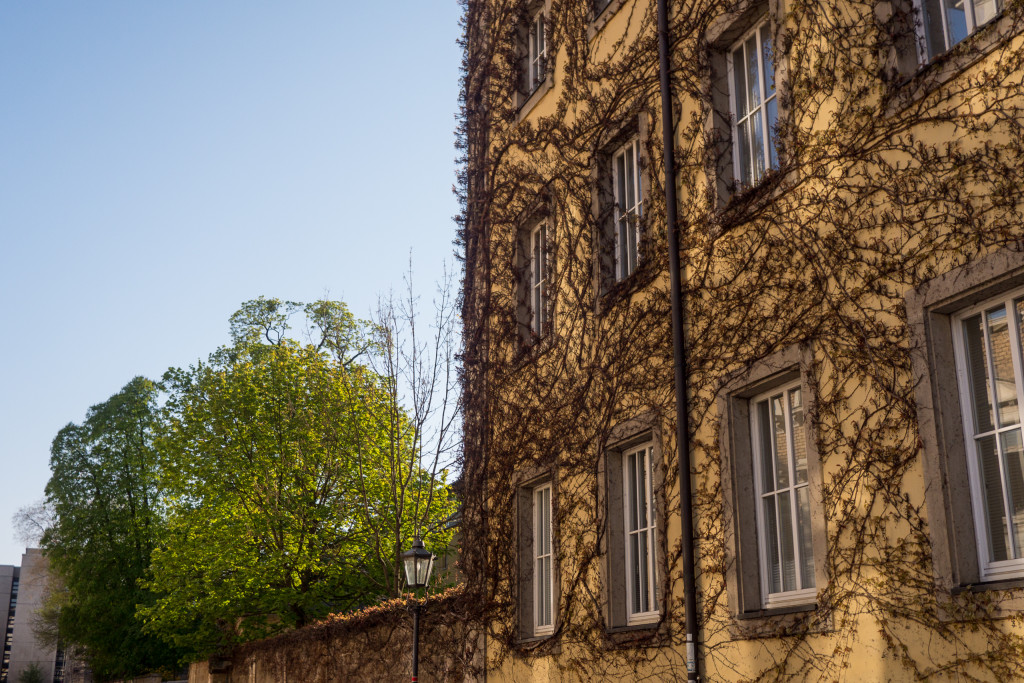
(648, 634)
(781, 621)
(952, 63)
(635, 628)
(999, 585)
(534, 97)
(646, 620)
(1003, 599)
(622, 290)
(533, 348)
(777, 611)
(539, 645)
(743, 202)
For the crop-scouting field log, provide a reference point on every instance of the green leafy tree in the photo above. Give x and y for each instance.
(32, 674)
(105, 501)
(285, 499)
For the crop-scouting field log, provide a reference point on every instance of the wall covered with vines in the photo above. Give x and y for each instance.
(890, 174)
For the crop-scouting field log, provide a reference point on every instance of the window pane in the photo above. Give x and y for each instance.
(1002, 367)
(781, 444)
(633, 502)
(757, 144)
(538, 524)
(637, 186)
(796, 410)
(535, 279)
(1019, 305)
(547, 591)
(634, 579)
(654, 573)
(753, 81)
(765, 441)
(803, 529)
(995, 513)
(772, 115)
(531, 264)
(547, 521)
(984, 10)
(620, 247)
(542, 529)
(641, 490)
(620, 180)
(746, 170)
(1013, 454)
(630, 177)
(631, 242)
(768, 69)
(542, 267)
(933, 27)
(538, 240)
(542, 582)
(956, 21)
(786, 552)
(977, 369)
(771, 529)
(740, 83)
(643, 605)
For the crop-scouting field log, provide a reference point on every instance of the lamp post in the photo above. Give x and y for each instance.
(418, 562)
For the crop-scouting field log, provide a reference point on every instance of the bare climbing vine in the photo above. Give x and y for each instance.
(887, 177)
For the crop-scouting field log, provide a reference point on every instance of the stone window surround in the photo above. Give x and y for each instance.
(603, 202)
(940, 420)
(635, 432)
(720, 37)
(743, 572)
(526, 101)
(524, 537)
(528, 338)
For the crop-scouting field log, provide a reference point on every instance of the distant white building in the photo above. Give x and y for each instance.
(22, 590)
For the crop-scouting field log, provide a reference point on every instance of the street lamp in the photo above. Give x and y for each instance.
(418, 562)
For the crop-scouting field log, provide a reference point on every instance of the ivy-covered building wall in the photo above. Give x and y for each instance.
(851, 216)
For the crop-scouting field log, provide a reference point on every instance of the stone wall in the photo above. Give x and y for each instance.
(374, 644)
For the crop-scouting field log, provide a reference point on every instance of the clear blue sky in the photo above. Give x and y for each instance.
(161, 162)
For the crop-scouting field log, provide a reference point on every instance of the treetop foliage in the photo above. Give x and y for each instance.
(267, 486)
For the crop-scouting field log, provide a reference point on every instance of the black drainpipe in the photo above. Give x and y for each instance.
(679, 350)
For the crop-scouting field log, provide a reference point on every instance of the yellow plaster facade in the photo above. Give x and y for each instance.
(839, 273)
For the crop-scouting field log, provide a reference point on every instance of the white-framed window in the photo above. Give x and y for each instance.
(944, 23)
(628, 207)
(754, 105)
(640, 535)
(537, 53)
(543, 563)
(785, 545)
(987, 348)
(538, 279)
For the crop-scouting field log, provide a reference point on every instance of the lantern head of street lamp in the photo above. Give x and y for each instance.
(418, 562)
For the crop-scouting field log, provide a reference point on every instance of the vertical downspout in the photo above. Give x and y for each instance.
(679, 349)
